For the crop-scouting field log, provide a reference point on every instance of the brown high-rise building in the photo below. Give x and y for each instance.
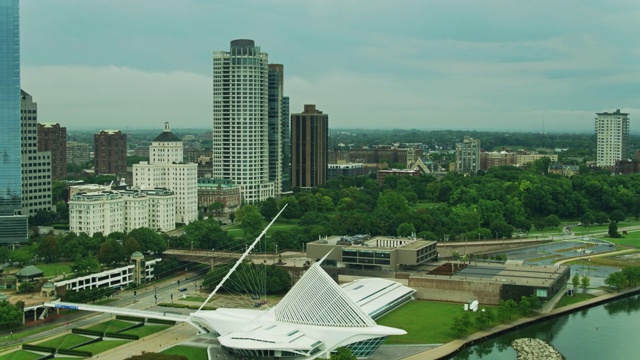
(309, 147)
(110, 152)
(53, 138)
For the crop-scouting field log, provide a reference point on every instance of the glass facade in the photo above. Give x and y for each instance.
(13, 228)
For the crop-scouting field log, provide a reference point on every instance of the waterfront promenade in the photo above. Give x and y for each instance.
(450, 348)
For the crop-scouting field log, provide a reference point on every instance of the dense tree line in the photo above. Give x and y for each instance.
(10, 314)
(498, 203)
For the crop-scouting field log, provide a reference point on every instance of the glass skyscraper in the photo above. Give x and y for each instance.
(13, 226)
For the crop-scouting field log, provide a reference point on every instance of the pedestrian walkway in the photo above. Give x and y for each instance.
(156, 343)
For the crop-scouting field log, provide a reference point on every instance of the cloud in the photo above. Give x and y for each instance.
(118, 97)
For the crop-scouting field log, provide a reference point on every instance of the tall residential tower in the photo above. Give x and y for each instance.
(241, 120)
(13, 225)
(612, 133)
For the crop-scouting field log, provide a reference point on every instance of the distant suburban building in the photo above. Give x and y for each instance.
(381, 155)
(166, 169)
(627, 167)
(141, 151)
(110, 152)
(489, 159)
(78, 153)
(564, 170)
(36, 165)
(309, 147)
(53, 138)
(468, 156)
(336, 170)
(218, 190)
(612, 136)
(110, 211)
(380, 251)
(524, 159)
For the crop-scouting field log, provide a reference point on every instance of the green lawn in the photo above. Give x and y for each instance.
(111, 326)
(22, 355)
(102, 346)
(55, 268)
(194, 299)
(146, 330)
(576, 298)
(631, 239)
(192, 353)
(426, 322)
(65, 341)
(31, 331)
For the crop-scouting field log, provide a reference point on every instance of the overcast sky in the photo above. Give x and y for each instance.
(484, 65)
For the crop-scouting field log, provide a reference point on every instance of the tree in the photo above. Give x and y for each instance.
(585, 282)
(130, 246)
(459, 327)
(232, 216)
(616, 280)
(49, 249)
(269, 208)
(613, 230)
(20, 255)
(632, 275)
(4, 254)
(575, 281)
(406, 229)
(111, 252)
(84, 265)
(342, 353)
(216, 207)
(552, 221)
(524, 306)
(252, 224)
(149, 240)
(11, 315)
(617, 216)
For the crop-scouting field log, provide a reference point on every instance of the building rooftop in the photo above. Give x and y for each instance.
(515, 274)
(377, 242)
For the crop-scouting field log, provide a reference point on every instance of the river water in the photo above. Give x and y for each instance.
(607, 331)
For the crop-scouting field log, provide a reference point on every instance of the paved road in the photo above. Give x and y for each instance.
(143, 300)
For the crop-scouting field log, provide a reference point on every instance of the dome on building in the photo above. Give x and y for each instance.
(137, 255)
(166, 135)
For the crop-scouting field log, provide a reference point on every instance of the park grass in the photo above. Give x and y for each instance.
(21, 355)
(631, 239)
(613, 261)
(102, 346)
(29, 332)
(576, 298)
(192, 353)
(111, 326)
(146, 330)
(65, 341)
(426, 322)
(55, 269)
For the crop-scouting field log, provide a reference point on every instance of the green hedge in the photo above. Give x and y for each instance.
(75, 352)
(129, 318)
(38, 348)
(87, 332)
(161, 321)
(122, 336)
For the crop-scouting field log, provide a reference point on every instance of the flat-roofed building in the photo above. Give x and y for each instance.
(380, 251)
(334, 171)
(218, 190)
(78, 153)
(53, 137)
(523, 159)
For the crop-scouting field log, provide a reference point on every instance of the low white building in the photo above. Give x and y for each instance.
(109, 211)
(166, 169)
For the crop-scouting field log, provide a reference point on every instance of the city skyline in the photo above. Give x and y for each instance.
(427, 65)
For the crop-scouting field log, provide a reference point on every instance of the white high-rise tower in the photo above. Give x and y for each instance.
(612, 133)
(241, 120)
